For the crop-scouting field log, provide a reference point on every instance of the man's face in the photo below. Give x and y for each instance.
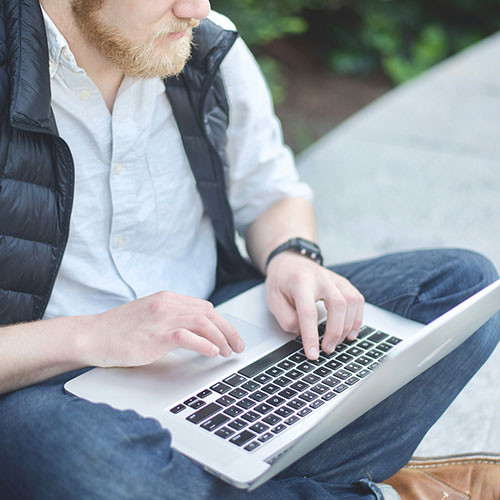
(144, 38)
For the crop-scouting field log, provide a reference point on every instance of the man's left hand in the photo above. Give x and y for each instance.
(293, 286)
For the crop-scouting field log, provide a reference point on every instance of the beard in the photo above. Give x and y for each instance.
(157, 56)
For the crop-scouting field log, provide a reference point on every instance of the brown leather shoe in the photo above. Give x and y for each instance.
(458, 477)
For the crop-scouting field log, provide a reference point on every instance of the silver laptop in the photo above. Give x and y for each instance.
(247, 417)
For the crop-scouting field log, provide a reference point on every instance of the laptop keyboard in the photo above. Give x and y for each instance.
(263, 399)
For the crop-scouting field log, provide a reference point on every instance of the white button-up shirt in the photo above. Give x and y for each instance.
(138, 225)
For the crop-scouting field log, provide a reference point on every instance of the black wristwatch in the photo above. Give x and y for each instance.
(300, 246)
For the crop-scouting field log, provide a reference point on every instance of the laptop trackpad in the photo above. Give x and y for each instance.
(254, 337)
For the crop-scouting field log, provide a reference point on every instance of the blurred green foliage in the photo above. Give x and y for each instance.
(399, 37)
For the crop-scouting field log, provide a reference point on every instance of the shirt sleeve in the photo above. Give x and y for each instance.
(262, 169)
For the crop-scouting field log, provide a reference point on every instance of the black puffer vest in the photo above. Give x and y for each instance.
(37, 171)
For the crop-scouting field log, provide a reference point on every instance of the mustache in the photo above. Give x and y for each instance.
(176, 27)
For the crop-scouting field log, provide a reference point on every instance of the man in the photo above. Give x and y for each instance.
(113, 246)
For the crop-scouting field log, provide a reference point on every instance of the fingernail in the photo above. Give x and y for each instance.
(353, 334)
(313, 352)
(241, 346)
(330, 348)
(214, 351)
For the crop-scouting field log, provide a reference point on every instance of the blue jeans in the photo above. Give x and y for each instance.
(54, 445)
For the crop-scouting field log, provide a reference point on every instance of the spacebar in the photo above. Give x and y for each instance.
(271, 358)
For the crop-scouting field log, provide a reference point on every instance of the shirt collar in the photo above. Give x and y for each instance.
(59, 51)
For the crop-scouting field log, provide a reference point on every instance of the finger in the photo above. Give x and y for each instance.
(228, 330)
(305, 305)
(201, 325)
(355, 305)
(284, 312)
(181, 337)
(336, 307)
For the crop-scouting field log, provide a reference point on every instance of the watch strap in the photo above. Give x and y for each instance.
(302, 247)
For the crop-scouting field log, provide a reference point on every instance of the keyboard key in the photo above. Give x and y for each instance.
(264, 408)
(373, 366)
(296, 404)
(305, 367)
(246, 403)
(189, 401)
(340, 348)
(242, 438)
(292, 420)
(214, 422)
(177, 409)
(334, 365)
(271, 388)
(224, 432)
(279, 428)
(225, 400)
(331, 381)
(275, 401)
(298, 358)
(363, 373)
(352, 381)
(342, 374)
(364, 331)
(304, 412)
(374, 354)
(310, 379)
(340, 388)
(251, 416)
(284, 411)
(316, 404)
(237, 424)
(308, 396)
(251, 446)
(271, 419)
(378, 337)
(274, 372)
(235, 380)
(238, 393)
(344, 358)
(220, 387)
(364, 344)
(322, 371)
(320, 388)
(205, 412)
(259, 427)
(363, 360)
(294, 374)
(265, 437)
(393, 340)
(287, 393)
(282, 381)
(259, 396)
(269, 359)
(233, 411)
(327, 396)
(384, 347)
(250, 385)
(262, 378)
(286, 364)
(204, 393)
(197, 404)
(353, 367)
(355, 351)
(299, 386)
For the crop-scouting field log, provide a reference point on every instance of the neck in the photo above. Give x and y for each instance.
(105, 76)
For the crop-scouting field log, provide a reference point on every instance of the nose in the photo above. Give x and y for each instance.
(191, 9)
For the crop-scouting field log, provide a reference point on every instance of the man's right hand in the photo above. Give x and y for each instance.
(142, 331)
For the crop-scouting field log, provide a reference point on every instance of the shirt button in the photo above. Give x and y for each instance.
(120, 242)
(84, 95)
(118, 168)
(65, 53)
